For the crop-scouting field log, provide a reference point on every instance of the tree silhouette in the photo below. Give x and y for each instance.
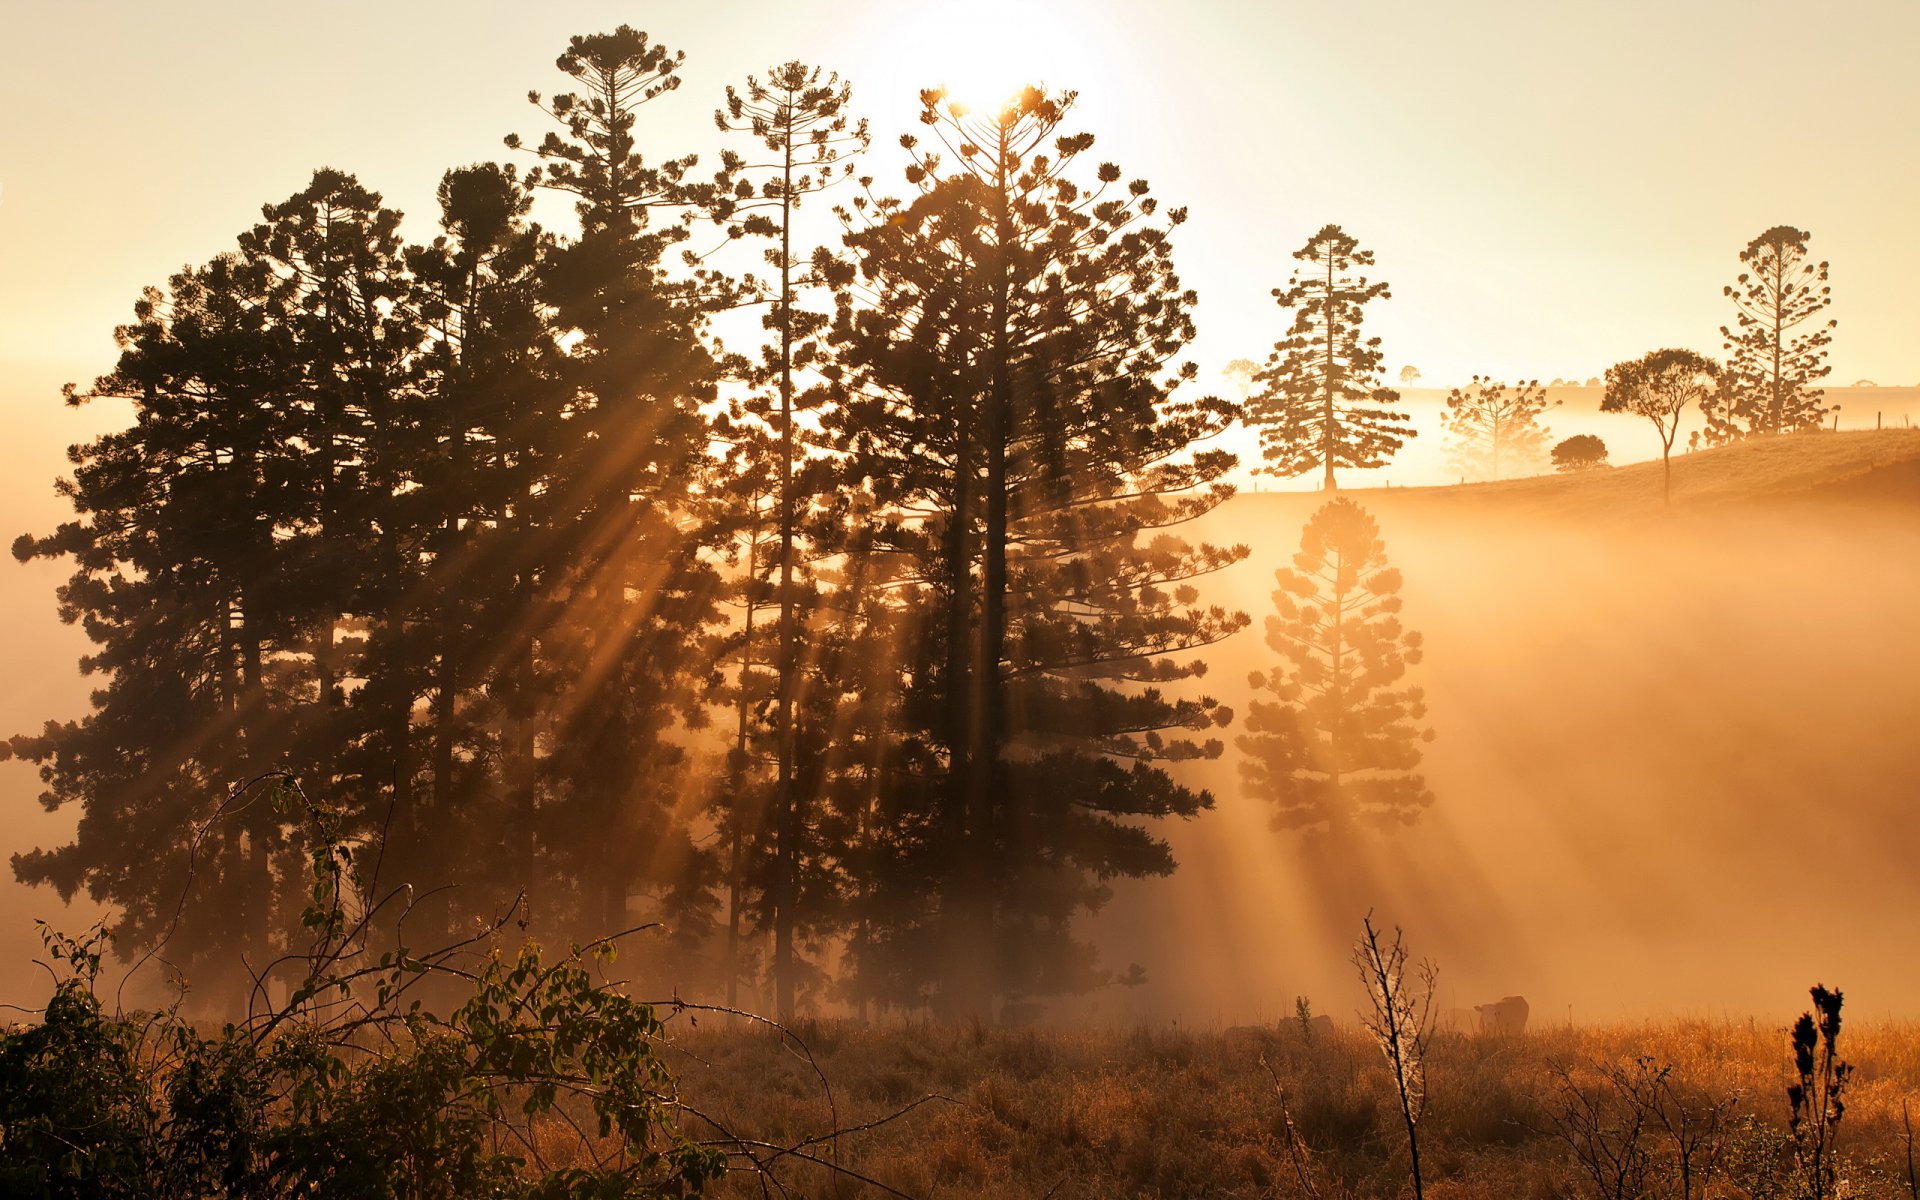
(1581, 452)
(1768, 385)
(1659, 386)
(799, 115)
(1339, 744)
(1409, 375)
(1007, 357)
(1496, 430)
(628, 592)
(1320, 402)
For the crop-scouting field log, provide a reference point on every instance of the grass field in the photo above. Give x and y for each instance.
(1168, 1112)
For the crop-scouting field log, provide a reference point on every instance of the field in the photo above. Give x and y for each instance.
(1172, 1112)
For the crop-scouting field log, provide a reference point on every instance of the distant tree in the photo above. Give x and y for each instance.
(1659, 386)
(1771, 370)
(1865, 383)
(1409, 375)
(1320, 403)
(1341, 744)
(1558, 382)
(1240, 373)
(1495, 428)
(1594, 382)
(1581, 452)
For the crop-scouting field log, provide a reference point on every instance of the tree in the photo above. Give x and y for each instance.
(1496, 428)
(627, 598)
(1409, 375)
(1341, 744)
(1581, 452)
(798, 115)
(1659, 386)
(1771, 370)
(231, 547)
(1321, 403)
(1006, 366)
(1401, 1026)
(1240, 373)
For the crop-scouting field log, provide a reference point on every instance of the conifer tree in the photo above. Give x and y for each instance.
(627, 594)
(1496, 430)
(1319, 402)
(1771, 371)
(1005, 354)
(1338, 746)
(1659, 386)
(177, 582)
(799, 116)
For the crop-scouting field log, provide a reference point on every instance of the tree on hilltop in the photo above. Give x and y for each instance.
(1659, 386)
(1581, 452)
(1320, 403)
(1771, 371)
(1495, 429)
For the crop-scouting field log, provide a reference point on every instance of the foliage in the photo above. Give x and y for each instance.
(543, 1082)
(1659, 386)
(1320, 402)
(1581, 452)
(1816, 1095)
(1005, 376)
(1631, 1125)
(799, 116)
(1401, 1026)
(1495, 429)
(1340, 746)
(1771, 373)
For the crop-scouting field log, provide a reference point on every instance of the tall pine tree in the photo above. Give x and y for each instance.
(1007, 354)
(1319, 402)
(1769, 385)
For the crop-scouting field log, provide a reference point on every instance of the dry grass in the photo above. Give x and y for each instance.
(1173, 1113)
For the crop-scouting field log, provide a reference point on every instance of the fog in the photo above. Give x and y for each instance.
(1675, 768)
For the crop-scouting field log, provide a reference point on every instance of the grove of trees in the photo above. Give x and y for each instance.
(865, 662)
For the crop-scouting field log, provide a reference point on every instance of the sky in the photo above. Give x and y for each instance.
(1548, 187)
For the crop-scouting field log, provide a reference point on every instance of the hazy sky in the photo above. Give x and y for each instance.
(1549, 187)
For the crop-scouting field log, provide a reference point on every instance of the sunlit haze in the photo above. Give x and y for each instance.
(1636, 717)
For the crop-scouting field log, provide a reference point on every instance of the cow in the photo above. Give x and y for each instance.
(1507, 1018)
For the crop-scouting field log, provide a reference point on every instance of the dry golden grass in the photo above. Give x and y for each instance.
(1174, 1113)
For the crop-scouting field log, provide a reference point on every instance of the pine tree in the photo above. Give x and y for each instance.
(1320, 402)
(1339, 745)
(799, 116)
(627, 594)
(1495, 429)
(176, 583)
(1768, 386)
(1007, 404)
(1659, 386)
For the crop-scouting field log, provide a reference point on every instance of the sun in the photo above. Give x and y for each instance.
(986, 52)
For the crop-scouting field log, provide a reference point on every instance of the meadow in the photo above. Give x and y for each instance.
(1176, 1112)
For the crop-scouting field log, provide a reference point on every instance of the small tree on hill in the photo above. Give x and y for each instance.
(1409, 375)
(1771, 370)
(1319, 401)
(1496, 428)
(1341, 744)
(1581, 452)
(1659, 386)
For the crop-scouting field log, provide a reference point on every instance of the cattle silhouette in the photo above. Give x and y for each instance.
(1505, 1018)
